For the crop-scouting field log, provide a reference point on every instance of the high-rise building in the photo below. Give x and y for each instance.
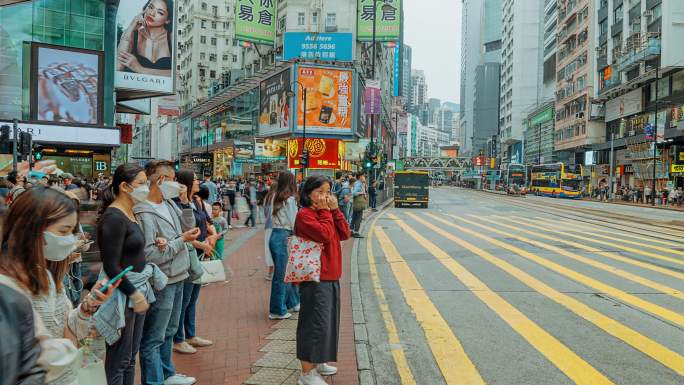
(406, 58)
(575, 64)
(418, 91)
(480, 58)
(433, 107)
(519, 89)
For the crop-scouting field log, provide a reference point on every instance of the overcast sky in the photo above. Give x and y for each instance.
(433, 30)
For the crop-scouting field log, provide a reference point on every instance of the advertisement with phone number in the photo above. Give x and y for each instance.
(328, 106)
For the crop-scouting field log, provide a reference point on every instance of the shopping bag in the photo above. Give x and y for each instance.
(304, 260)
(213, 271)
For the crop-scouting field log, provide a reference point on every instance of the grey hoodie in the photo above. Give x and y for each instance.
(174, 261)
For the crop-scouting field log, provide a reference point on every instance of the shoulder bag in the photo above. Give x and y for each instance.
(359, 203)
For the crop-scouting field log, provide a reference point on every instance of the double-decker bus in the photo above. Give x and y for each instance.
(556, 180)
(515, 175)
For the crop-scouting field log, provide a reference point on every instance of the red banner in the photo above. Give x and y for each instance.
(478, 160)
(126, 133)
(323, 153)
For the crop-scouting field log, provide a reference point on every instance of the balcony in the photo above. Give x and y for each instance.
(602, 13)
(602, 61)
(616, 28)
(647, 50)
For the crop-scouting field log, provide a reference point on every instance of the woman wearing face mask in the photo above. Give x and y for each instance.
(122, 243)
(37, 240)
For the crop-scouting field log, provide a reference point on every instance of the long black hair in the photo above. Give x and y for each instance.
(169, 15)
(124, 173)
(186, 177)
(311, 183)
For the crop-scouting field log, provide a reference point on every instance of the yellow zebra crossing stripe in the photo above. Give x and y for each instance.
(556, 352)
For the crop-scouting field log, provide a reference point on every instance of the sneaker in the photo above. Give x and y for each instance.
(295, 309)
(180, 379)
(199, 342)
(326, 370)
(230, 226)
(276, 316)
(184, 348)
(311, 378)
(357, 235)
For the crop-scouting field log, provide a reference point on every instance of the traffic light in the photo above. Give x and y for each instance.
(368, 164)
(37, 152)
(24, 146)
(176, 164)
(304, 159)
(5, 144)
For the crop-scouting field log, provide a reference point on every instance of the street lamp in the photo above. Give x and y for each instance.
(305, 153)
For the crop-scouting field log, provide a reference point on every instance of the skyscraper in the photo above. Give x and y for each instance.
(418, 90)
(406, 74)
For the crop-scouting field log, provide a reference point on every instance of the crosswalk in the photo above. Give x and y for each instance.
(568, 301)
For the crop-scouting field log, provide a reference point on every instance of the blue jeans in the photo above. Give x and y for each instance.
(347, 211)
(161, 324)
(283, 295)
(186, 325)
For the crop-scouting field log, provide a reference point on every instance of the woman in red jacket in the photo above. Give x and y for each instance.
(320, 220)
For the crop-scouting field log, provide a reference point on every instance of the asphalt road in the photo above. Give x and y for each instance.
(488, 289)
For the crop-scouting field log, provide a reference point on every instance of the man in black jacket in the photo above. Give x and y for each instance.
(19, 350)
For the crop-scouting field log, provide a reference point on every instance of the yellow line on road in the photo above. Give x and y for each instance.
(599, 265)
(658, 352)
(650, 307)
(607, 254)
(451, 358)
(561, 225)
(526, 222)
(393, 336)
(555, 351)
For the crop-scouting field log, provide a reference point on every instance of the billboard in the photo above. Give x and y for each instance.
(255, 21)
(243, 150)
(624, 105)
(145, 46)
(355, 151)
(70, 134)
(323, 153)
(66, 84)
(318, 46)
(268, 149)
(372, 97)
(328, 108)
(388, 24)
(79, 166)
(274, 106)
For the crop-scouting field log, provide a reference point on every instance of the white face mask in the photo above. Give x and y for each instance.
(170, 189)
(58, 247)
(140, 193)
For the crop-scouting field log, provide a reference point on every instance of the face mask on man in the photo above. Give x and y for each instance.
(58, 247)
(140, 193)
(170, 189)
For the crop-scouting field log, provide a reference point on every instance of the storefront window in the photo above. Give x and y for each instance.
(678, 82)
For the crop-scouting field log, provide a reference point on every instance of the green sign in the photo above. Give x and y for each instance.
(542, 117)
(255, 21)
(388, 24)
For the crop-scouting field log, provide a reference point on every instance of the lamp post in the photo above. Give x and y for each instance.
(655, 136)
(305, 152)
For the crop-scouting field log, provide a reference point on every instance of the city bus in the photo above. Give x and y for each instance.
(515, 175)
(556, 180)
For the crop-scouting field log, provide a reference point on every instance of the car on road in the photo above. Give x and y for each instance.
(411, 188)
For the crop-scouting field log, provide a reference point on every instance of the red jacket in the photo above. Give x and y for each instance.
(329, 228)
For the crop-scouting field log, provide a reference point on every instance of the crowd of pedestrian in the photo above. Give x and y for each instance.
(668, 196)
(154, 226)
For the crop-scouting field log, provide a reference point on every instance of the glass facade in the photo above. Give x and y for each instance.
(71, 23)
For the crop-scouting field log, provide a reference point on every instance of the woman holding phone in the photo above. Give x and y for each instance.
(122, 244)
(37, 241)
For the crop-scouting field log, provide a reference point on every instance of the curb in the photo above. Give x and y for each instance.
(363, 358)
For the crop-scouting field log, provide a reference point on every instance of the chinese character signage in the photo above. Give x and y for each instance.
(274, 106)
(396, 70)
(146, 46)
(255, 21)
(318, 46)
(388, 24)
(371, 98)
(323, 153)
(328, 108)
(270, 149)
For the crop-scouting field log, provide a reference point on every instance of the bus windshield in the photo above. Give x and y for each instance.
(571, 184)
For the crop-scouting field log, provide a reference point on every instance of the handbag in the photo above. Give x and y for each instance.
(304, 260)
(195, 271)
(213, 271)
(359, 203)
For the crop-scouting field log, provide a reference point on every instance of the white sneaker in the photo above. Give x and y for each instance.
(295, 309)
(326, 370)
(180, 379)
(276, 316)
(311, 378)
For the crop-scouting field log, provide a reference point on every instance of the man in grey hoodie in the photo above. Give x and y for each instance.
(167, 228)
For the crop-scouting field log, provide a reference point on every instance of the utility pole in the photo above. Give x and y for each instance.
(372, 127)
(612, 167)
(655, 136)
(15, 128)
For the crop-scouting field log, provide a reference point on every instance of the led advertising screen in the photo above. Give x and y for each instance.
(328, 107)
(66, 85)
(274, 105)
(146, 46)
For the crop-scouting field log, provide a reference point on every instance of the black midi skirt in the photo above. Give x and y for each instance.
(318, 328)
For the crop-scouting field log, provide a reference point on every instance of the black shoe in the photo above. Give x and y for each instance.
(357, 235)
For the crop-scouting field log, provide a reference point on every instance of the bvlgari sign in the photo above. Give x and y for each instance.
(625, 105)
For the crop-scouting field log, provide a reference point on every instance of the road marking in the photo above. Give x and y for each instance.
(583, 231)
(650, 307)
(555, 351)
(524, 222)
(623, 233)
(599, 265)
(393, 336)
(607, 254)
(658, 352)
(451, 358)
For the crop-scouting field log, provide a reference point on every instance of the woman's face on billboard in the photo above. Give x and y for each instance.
(156, 14)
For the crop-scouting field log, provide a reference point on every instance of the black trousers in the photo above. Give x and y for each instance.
(120, 359)
(357, 217)
(318, 327)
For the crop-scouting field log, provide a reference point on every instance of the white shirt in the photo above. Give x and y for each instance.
(287, 214)
(163, 210)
